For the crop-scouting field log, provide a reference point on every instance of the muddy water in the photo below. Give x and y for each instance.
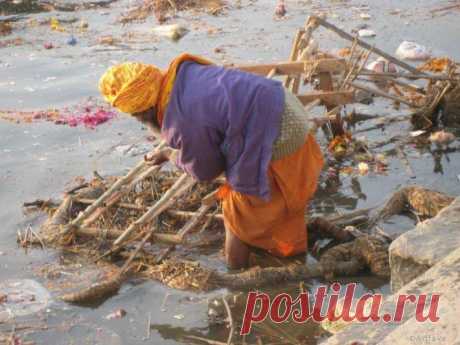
(38, 160)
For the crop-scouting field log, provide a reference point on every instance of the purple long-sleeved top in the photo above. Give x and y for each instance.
(224, 120)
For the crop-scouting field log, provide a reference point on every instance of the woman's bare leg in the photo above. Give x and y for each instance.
(236, 251)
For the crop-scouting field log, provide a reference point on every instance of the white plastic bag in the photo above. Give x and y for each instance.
(366, 33)
(412, 51)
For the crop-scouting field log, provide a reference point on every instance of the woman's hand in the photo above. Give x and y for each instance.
(158, 158)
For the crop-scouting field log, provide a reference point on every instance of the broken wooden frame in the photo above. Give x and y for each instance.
(302, 65)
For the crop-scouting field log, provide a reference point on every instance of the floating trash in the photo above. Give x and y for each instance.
(442, 138)
(366, 33)
(412, 51)
(414, 134)
(89, 114)
(382, 65)
(363, 168)
(83, 25)
(174, 32)
(71, 41)
(280, 10)
(436, 65)
(55, 25)
(117, 314)
(22, 297)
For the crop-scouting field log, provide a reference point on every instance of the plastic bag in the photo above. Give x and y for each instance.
(412, 51)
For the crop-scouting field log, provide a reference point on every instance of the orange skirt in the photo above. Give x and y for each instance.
(278, 225)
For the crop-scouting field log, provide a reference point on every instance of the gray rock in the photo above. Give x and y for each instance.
(417, 250)
(442, 278)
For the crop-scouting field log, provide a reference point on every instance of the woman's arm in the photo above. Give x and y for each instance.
(199, 152)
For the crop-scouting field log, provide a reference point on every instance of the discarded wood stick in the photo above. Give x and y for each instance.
(396, 81)
(293, 54)
(272, 73)
(303, 43)
(383, 94)
(425, 202)
(174, 213)
(328, 97)
(403, 158)
(230, 321)
(76, 188)
(112, 200)
(331, 65)
(165, 254)
(39, 203)
(107, 194)
(95, 292)
(100, 201)
(352, 68)
(192, 222)
(177, 213)
(182, 184)
(189, 226)
(182, 187)
(205, 340)
(311, 105)
(120, 204)
(407, 75)
(365, 45)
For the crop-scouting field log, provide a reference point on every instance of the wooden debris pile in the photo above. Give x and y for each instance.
(120, 222)
(164, 9)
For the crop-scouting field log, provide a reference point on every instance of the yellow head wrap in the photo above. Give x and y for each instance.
(131, 87)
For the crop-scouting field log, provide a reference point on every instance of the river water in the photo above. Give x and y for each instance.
(38, 160)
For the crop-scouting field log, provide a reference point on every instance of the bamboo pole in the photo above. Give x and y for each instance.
(119, 194)
(192, 222)
(397, 82)
(174, 213)
(305, 41)
(328, 97)
(100, 201)
(332, 65)
(77, 222)
(313, 104)
(272, 73)
(120, 204)
(407, 75)
(403, 157)
(383, 94)
(182, 184)
(293, 54)
(365, 45)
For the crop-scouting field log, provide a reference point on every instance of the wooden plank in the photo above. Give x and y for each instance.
(293, 55)
(326, 84)
(286, 68)
(328, 97)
